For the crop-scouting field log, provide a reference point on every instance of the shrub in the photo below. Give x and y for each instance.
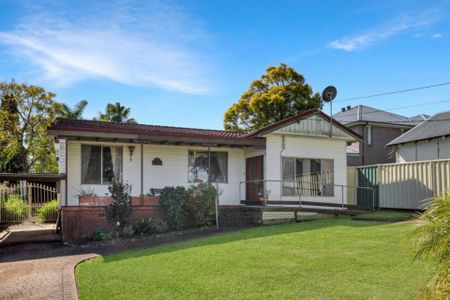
(101, 235)
(128, 230)
(120, 208)
(48, 211)
(150, 226)
(201, 203)
(171, 202)
(432, 239)
(15, 208)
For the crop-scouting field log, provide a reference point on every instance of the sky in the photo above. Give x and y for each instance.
(184, 63)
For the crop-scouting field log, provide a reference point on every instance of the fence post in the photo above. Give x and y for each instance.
(30, 200)
(342, 195)
(373, 200)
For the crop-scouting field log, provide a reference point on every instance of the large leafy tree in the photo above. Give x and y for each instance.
(75, 113)
(278, 94)
(116, 113)
(25, 113)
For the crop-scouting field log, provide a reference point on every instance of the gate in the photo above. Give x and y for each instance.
(368, 178)
(28, 201)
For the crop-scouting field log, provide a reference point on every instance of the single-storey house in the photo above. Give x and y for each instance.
(377, 127)
(427, 141)
(293, 158)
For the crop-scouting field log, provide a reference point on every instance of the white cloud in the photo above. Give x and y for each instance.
(130, 43)
(436, 36)
(403, 24)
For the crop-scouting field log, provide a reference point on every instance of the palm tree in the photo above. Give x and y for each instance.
(75, 113)
(432, 239)
(116, 113)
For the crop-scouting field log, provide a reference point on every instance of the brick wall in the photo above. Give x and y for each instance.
(80, 222)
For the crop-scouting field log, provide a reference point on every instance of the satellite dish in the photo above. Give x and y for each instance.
(329, 93)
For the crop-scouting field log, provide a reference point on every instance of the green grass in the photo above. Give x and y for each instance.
(325, 259)
(388, 215)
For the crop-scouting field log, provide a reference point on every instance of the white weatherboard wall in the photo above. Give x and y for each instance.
(305, 147)
(173, 172)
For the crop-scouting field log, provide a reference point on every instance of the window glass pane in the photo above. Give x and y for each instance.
(313, 177)
(112, 164)
(219, 167)
(198, 166)
(90, 164)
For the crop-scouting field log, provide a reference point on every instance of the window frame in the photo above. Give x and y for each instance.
(101, 163)
(295, 172)
(206, 151)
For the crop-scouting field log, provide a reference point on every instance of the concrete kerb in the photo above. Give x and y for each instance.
(70, 291)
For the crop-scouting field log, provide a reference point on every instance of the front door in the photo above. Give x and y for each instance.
(254, 176)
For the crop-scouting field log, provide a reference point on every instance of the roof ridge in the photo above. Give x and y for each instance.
(150, 125)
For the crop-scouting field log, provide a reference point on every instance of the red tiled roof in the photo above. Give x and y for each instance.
(153, 130)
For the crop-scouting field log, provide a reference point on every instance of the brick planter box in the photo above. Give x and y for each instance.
(95, 200)
(145, 201)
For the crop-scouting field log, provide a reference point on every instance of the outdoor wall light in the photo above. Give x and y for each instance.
(131, 148)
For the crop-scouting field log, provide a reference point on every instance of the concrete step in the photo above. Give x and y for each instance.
(29, 234)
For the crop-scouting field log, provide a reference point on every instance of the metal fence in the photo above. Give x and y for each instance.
(405, 185)
(28, 201)
(300, 192)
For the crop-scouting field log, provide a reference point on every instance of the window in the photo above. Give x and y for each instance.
(305, 176)
(157, 161)
(198, 166)
(100, 164)
(369, 135)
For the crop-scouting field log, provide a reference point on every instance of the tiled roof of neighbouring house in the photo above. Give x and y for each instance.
(362, 113)
(436, 126)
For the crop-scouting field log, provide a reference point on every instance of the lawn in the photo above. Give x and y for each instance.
(324, 259)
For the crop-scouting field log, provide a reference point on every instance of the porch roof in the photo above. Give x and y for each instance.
(98, 130)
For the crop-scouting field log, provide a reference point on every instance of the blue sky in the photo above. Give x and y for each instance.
(184, 63)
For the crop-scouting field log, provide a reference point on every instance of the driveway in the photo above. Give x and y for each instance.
(46, 270)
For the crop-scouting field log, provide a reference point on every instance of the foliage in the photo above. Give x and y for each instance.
(15, 208)
(48, 211)
(432, 241)
(278, 94)
(25, 113)
(120, 208)
(128, 230)
(150, 226)
(75, 113)
(336, 258)
(89, 192)
(116, 113)
(172, 204)
(101, 235)
(200, 204)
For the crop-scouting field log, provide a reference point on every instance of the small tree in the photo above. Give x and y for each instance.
(120, 208)
(432, 239)
(172, 204)
(201, 203)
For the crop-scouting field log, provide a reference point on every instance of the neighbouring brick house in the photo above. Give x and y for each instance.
(378, 128)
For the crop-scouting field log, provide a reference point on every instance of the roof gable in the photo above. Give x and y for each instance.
(310, 123)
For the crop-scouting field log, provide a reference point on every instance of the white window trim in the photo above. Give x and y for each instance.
(369, 135)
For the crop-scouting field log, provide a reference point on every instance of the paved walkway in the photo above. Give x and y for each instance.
(29, 274)
(46, 270)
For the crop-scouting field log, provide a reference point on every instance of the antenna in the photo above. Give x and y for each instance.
(328, 94)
